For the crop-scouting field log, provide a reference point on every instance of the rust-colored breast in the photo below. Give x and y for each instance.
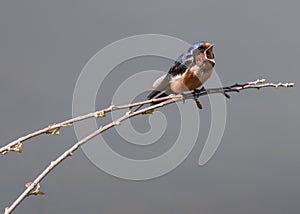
(191, 81)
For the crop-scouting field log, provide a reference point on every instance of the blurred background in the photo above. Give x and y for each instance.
(45, 44)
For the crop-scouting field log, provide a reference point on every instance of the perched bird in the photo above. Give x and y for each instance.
(189, 72)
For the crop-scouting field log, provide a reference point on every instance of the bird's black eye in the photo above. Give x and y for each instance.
(201, 48)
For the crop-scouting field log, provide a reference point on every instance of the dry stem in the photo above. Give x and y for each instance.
(34, 187)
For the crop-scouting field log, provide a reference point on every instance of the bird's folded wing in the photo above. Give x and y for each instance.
(161, 83)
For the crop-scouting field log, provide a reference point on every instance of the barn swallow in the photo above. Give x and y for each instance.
(189, 72)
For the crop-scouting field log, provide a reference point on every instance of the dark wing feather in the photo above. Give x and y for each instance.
(153, 94)
(179, 67)
(181, 64)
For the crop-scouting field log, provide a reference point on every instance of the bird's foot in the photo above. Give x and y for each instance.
(197, 92)
(198, 104)
(183, 98)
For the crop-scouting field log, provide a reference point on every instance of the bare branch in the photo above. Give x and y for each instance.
(54, 128)
(258, 84)
(70, 151)
(34, 187)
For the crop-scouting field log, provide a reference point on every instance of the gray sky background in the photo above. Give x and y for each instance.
(45, 44)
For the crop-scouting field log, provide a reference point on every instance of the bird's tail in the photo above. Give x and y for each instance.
(138, 108)
(152, 95)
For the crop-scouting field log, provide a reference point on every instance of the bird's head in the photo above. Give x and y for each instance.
(205, 48)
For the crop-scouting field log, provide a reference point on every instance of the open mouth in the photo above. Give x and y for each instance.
(209, 53)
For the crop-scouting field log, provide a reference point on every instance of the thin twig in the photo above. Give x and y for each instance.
(34, 187)
(55, 127)
(70, 151)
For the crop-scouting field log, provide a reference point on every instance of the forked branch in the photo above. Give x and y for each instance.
(33, 188)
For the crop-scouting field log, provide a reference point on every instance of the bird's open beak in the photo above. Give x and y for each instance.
(209, 55)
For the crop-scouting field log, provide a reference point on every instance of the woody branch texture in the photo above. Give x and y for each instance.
(33, 188)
